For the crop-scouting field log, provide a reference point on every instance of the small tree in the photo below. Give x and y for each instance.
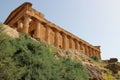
(95, 58)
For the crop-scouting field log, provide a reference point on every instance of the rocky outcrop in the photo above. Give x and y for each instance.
(10, 31)
(94, 72)
(113, 60)
(113, 65)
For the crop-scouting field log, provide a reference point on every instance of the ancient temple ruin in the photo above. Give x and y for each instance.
(27, 20)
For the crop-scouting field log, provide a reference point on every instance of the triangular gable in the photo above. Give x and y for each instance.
(17, 13)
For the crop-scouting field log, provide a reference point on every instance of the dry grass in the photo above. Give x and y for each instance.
(108, 76)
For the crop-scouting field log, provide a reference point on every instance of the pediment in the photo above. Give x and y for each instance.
(17, 13)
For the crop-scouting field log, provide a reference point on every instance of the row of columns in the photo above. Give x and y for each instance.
(24, 24)
(73, 43)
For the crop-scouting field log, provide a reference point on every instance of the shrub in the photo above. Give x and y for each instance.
(52, 49)
(26, 59)
(95, 58)
(72, 70)
(108, 76)
(1, 25)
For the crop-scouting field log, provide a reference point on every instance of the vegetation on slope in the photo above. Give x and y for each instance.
(26, 59)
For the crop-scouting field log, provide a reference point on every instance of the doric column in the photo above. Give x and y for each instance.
(26, 24)
(64, 41)
(94, 52)
(98, 51)
(20, 25)
(70, 43)
(77, 45)
(56, 38)
(99, 55)
(90, 52)
(73, 42)
(86, 50)
(38, 29)
(83, 47)
(47, 34)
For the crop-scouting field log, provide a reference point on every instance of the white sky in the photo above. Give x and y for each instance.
(96, 21)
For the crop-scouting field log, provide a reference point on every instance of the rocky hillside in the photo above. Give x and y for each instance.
(96, 69)
(9, 31)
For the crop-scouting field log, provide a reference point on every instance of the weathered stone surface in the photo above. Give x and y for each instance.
(27, 20)
(10, 31)
(113, 60)
(94, 72)
(114, 67)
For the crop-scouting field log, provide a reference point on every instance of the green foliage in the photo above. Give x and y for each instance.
(108, 76)
(72, 70)
(52, 49)
(25, 59)
(95, 58)
(1, 27)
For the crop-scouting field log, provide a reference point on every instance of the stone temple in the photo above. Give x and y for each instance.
(27, 20)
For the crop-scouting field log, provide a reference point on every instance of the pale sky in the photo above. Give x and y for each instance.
(95, 21)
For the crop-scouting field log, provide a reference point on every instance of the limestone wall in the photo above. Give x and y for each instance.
(33, 23)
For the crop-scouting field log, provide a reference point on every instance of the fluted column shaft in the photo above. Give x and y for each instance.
(47, 34)
(90, 52)
(64, 41)
(38, 29)
(77, 45)
(70, 43)
(26, 24)
(20, 26)
(56, 38)
(86, 52)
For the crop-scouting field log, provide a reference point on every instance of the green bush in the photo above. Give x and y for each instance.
(1, 25)
(26, 59)
(95, 58)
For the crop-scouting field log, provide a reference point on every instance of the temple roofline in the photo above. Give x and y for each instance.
(14, 11)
